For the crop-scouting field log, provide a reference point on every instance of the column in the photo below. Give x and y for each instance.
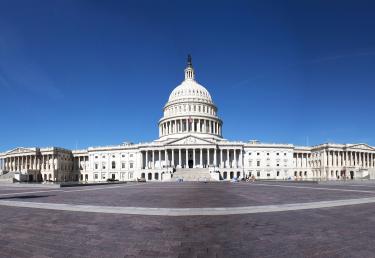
(201, 157)
(187, 158)
(221, 158)
(215, 163)
(208, 157)
(179, 158)
(235, 158)
(199, 126)
(172, 157)
(228, 158)
(240, 159)
(146, 159)
(193, 158)
(166, 158)
(160, 166)
(187, 125)
(153, 159)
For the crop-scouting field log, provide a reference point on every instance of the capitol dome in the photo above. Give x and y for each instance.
(190, 110)
(190, 89)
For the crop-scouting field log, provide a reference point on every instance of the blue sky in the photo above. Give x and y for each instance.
(89, 73)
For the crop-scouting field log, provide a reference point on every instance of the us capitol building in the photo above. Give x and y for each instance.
(191, 147)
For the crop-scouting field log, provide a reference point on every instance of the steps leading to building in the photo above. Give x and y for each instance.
(192, 174)
(7, 178)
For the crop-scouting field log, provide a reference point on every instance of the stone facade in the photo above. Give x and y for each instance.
(190, 137)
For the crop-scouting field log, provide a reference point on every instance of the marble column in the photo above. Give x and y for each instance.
(235, 158)
(146, 159)
(159, 157)
(193, 158)
(153, 159)
(208, 157)
(179, 158)
(221, 158)
(201, 157)
(241, 159)
(215, 158)
(166, 158)
(187, 158)
(228, 162)
(172, 157)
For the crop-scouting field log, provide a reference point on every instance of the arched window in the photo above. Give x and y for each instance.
(149, 177)
(156, 176)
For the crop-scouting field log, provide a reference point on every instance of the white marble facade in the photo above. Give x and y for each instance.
(190, 137)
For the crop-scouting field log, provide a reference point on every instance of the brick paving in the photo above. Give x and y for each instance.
(330, 232)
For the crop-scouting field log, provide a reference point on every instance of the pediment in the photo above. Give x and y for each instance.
(190, 140)
(361, 146)
(21, 150)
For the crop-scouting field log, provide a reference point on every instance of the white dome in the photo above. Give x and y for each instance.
(190, 89)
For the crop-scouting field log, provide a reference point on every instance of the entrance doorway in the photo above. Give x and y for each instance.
(351, 175)
(190, 163)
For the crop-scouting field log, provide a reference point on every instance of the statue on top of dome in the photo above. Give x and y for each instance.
(189, 62)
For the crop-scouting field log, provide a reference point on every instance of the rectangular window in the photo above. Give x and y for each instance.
(96, 165)
(123, 165)
(131, 165)
(258, 163)
(258, 173)
(278, 173)
(103, 165)
(95, 176)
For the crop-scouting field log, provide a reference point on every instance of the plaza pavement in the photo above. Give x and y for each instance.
(347, 230)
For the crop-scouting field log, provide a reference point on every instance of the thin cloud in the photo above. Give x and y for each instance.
(18, 71)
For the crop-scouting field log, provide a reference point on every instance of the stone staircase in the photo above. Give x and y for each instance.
(7, 178)
(192, 174)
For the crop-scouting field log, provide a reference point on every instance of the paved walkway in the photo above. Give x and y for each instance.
(188, 211)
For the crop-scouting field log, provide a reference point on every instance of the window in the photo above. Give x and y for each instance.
(278, 173)
(113, 164)
(103, 165)
(131, 165)
(95, 176)
(113, 156)
(258, 153)
(278, 165)
(123, 155)
(258, 163)
(268, 174)
(96, 165)
(123, 165)
(277, 154)
(131, 155)
(96, 157)
(258, 173)
(285, 154)
(268, 154)
(249, 153)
